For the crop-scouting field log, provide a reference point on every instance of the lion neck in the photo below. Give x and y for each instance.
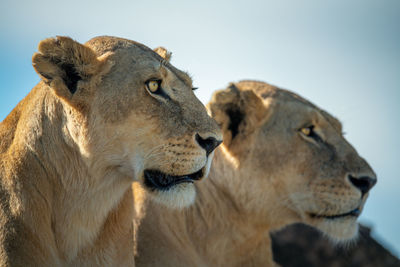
(74, 201)
(238, 237)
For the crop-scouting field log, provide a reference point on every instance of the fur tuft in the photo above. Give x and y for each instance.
(164, 53)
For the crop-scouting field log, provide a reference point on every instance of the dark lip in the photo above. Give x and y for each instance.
(157, 180)
(355, 213)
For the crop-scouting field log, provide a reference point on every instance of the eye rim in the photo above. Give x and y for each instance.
(159, 91)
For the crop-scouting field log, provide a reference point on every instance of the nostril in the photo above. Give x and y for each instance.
(208, 144)
(363, 183)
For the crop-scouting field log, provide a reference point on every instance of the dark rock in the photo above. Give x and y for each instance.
(302, 246)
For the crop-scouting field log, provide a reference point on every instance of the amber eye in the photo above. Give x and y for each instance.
(309, 132)
(306, 130)
(153, 85)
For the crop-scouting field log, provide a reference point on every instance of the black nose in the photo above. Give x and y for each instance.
(363, 183)
(208, 144)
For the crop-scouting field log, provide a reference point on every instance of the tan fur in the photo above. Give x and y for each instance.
(266, 177)
(70, 150)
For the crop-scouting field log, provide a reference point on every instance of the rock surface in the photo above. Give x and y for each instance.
(302, 246)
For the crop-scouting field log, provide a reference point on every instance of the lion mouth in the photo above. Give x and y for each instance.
(157, 180)
(354, 213)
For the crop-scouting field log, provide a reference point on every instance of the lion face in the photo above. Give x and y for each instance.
(130, 111)
(296, 156)
(327, 182)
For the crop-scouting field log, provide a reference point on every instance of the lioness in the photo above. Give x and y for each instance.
(106, 113)
(283, 160)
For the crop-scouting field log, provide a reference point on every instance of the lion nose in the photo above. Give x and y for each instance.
(363, 183)
(209, 144)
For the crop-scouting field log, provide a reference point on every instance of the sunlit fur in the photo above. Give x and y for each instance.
(71, 149)
(263, 178)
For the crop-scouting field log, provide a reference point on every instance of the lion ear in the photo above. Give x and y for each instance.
(238, 112)
(164, 53)
(62, 63)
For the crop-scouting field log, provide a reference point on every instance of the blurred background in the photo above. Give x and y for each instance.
(342, 55)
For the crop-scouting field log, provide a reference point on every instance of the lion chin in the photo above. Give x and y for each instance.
(177, 197)
(173, 191)
(341, 231)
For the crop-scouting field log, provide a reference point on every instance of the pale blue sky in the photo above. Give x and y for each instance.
(343, 55)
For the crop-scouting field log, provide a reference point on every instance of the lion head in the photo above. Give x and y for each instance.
(128, 110)
(293, 162)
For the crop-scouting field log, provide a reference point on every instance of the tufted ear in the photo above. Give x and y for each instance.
(238, 112)
(64, 63)
(164, 53)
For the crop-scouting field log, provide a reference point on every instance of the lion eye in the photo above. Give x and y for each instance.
(306, 130)
(310, 133)
(153, 85)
